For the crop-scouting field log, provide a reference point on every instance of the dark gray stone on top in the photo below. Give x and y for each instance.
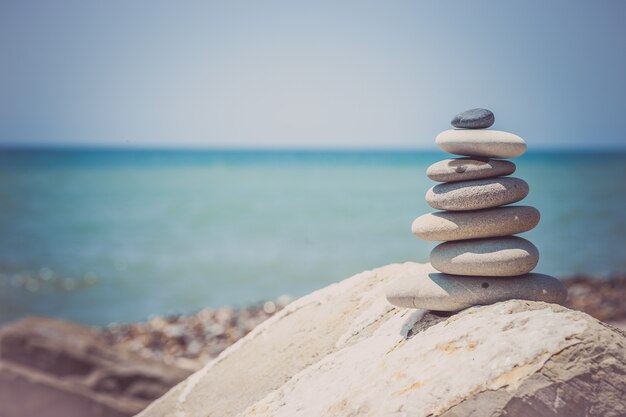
(474, 119)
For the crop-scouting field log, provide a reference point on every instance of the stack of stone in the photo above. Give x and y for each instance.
(480, 261)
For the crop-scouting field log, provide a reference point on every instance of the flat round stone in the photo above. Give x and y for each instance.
(491, 257)
(442, 292)
(486, 143)
(476, 194)
(474, 119)
(464, 169)
(458, 225)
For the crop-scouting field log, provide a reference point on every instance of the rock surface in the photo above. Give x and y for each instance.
(430, 289)
(486, 143)
(213, 330)
(463, 169)
(476, 194)
(493, 257)
(344, 351)
(474, 119)
(458, 225)
(53, 368)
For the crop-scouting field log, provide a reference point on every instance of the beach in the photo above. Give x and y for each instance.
(118, 370)
(190, 341)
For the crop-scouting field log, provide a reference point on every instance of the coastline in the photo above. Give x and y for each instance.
(189, 341)
(118, 370)
(80, 255)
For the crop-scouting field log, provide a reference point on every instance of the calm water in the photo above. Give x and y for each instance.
(116, 236)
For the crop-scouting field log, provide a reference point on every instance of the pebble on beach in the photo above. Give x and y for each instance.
(445, 292)
(485, 143)
(476, 194)
(465, 169)
(474, 119)
(493, 257)
(460, 225)
(189, 341)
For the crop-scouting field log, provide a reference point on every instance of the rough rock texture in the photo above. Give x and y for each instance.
(213, 330)
(475, 224)
(476, 194)
(53, 368)
(344, 351)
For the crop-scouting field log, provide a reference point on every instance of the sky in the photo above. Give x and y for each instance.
(315, 74)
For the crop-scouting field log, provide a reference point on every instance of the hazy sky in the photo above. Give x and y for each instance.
(309, 74)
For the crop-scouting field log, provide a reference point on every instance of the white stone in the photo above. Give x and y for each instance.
(475, 224)
(481, 142)
(400, 362)
(493, 257)
(464, 169)
(434, 290)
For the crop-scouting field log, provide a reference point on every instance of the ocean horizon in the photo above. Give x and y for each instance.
(102, 235)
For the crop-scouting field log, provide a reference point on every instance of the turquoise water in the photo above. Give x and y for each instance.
(117, 236)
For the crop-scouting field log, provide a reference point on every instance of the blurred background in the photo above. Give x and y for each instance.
(158, 157)
(101, 236)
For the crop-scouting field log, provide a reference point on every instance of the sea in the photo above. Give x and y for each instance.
(116, 236)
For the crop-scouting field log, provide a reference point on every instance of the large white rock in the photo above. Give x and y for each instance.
(344, 351)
